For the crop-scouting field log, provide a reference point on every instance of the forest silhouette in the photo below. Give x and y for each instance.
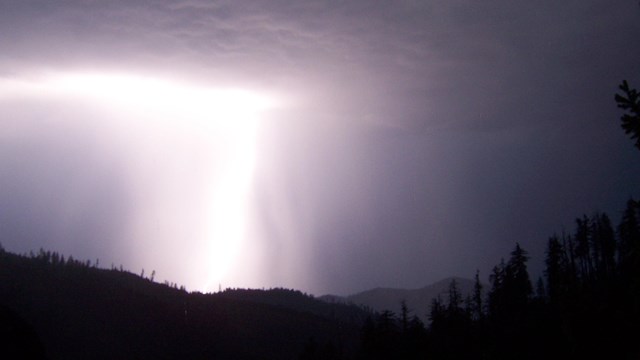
(586, 305)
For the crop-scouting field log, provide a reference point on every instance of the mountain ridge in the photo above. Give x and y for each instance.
(72, 310)
(418, 300)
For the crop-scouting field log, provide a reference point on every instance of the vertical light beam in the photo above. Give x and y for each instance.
(227, 119)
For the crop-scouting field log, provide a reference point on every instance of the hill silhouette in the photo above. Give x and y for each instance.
(70, 310)
(297, 301)
(587, 305)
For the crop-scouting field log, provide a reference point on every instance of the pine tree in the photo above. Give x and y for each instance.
(476, 299)
(404, 316)
(517, 282)
(604, 246)
(629, 232)
(630, 102)
(437, 313)
(454, 308)
(556, 271)
(629, 255)
(511, 288)
(496, 294)
(582, 248)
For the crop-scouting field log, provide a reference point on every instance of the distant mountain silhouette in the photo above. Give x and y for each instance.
(417, 300)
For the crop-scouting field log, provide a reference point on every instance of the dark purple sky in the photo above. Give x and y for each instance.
(392, 143)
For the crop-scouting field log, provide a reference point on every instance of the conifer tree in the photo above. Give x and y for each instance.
(404, 316)
(604, 246)
(582, 248)
(476, 299)
(496, 294)
(454, 308)
(556, 269)
(437, 312)
(517, 281)
(629, 101)
(629, 232)
(629, 255)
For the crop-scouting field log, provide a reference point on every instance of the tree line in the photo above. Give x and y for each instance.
(586, 305)
(55, 260)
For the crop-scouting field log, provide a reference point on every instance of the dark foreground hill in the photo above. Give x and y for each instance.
(69, 310)
(297, 301)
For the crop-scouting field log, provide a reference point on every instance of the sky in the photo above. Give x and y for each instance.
(327, 146)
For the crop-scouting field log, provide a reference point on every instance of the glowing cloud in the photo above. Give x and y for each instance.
(227, 117)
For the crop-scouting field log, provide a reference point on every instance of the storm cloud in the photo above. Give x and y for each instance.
(412, 140)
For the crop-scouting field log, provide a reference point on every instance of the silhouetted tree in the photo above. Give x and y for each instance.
(593, 296)
(387, 335)
(603, 246)
(629, 255)
(582, 248)
(451, 331)
(387, 322)
(629, 101)
(496, 294)
(454, 307)
(476, 299)
(437, 312)
(517, 283)
(509, 307)
(557, 270)
(404, 316)
(629, 232)
(412, 334)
